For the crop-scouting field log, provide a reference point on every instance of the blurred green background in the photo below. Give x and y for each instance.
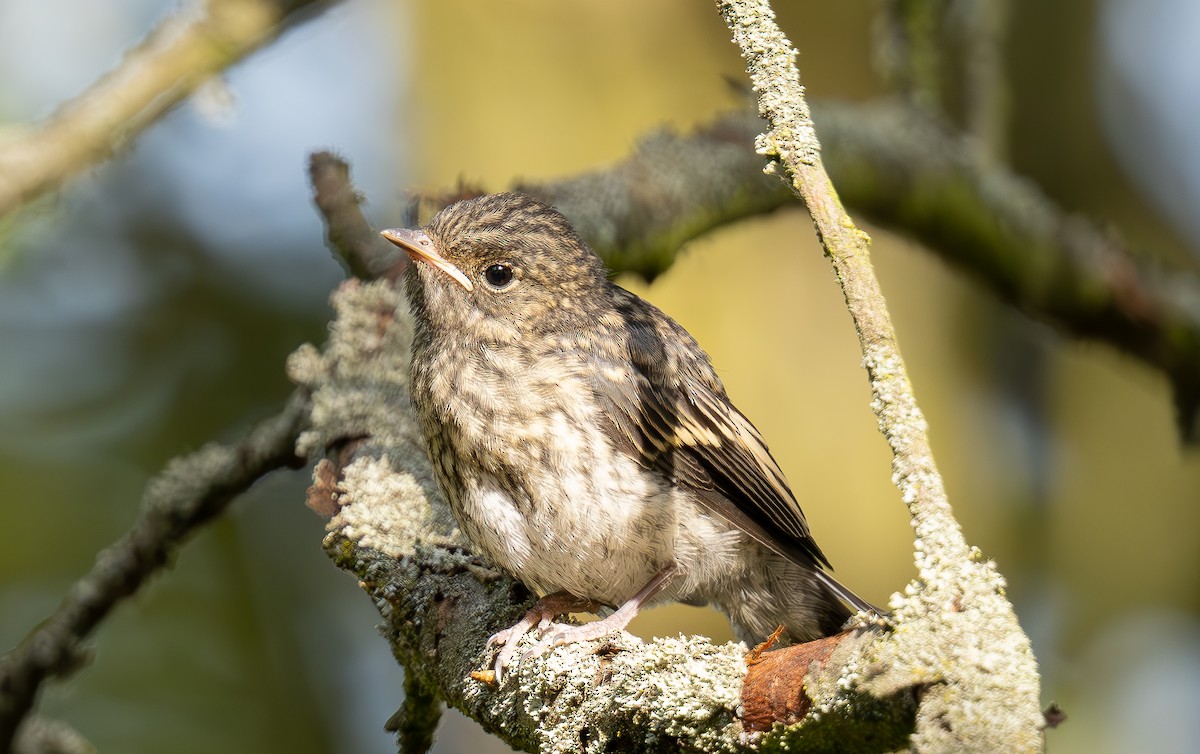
(149, 306)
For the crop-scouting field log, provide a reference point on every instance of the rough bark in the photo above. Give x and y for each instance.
(439, 602)
(955, 634)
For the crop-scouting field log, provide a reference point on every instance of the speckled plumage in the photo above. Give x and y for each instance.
(584, 440)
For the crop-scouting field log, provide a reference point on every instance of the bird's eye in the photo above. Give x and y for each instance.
(498, 276)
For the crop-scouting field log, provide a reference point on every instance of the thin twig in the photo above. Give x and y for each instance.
(909, 49)
(792, 140)
(955, 593)
(182, 53)
(190, 491)
(354, 242)
(983, 24)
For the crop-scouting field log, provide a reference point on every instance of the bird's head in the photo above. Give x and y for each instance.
(501, 266)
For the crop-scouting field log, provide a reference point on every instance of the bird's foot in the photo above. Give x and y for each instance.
(542, 616)
(557, 634)
(552, 634)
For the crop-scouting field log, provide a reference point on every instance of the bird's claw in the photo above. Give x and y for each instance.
(508, 640)
(556, 635)
(501, 637)
(507, 651)
(540, 619)
(564, 633)
(550, 634)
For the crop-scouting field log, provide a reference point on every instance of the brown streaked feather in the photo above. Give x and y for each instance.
(679, 419)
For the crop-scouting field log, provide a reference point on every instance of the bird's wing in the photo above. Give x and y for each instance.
(672, 411)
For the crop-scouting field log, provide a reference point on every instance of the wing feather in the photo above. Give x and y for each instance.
(672, 410)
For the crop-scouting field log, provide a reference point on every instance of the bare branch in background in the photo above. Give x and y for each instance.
(907, 170)
(910, 172)
(188, 493)
(945, 56)
(908, 49)
(185, 51)
(983, 25)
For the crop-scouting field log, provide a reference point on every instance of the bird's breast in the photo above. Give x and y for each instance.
(535, 481)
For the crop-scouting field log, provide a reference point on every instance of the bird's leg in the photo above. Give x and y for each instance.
(616, 622)
(541, 615)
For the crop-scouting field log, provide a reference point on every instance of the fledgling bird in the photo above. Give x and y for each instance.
(585, 443)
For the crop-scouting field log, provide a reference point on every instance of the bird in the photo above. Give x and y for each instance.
(586, 445)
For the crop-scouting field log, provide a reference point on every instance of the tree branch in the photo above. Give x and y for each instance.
(185, 51)
(910, 172)
(439, 603)
(956, 634)
(983, 24)
(936, 612)
(638, 213)
(188, 493)
(355, 243)
(907, 170)
(908, 49)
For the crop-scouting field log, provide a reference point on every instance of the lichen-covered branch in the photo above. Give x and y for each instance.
(190, 491)
(637, 213)
(910, 172)
(439, 603)
(185, 51)
(955, 633)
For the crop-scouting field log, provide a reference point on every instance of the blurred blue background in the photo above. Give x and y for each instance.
(149, 306)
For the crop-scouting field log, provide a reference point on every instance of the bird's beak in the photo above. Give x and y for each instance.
(420, 247)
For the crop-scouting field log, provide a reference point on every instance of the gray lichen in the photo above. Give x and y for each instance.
(359, 386)
(955, 636)
(440, 603)
(953, 640)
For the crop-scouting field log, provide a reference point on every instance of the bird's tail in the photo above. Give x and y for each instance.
(775, 590)
(844, 595)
